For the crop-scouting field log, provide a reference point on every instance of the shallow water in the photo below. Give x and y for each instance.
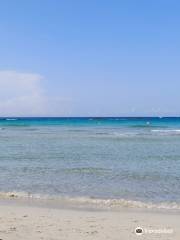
(121, 159)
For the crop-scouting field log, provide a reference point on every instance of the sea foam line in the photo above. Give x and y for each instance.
(92, 202)
(168, 131)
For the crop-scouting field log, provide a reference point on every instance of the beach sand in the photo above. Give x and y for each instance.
(32, 222)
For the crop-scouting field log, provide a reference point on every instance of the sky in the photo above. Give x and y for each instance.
(89, 58)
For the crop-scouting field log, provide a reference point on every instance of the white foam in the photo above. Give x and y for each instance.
(11, 119)
(167, 131)
(92, 202)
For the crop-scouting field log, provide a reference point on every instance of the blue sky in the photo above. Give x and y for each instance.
(89, 58)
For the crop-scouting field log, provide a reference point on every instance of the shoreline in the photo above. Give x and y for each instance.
(25, 220)
(92, 203)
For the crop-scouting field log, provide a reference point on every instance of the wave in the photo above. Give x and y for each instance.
(14, 124)
(87, 170)
(11, 119)
(167, 131)
(147, 125)
(91, 201)
(78, 130)
(19, 128)
(119, 135)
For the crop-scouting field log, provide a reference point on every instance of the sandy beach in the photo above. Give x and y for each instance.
(23, 221)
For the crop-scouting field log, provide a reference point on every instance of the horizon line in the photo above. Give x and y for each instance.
(11, 117)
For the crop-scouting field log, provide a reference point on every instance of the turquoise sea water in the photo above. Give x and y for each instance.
(114, 159)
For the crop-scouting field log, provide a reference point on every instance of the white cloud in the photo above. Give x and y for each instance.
(22, 94)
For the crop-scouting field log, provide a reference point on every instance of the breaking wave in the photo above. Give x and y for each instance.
(167, 131)
(91, 202)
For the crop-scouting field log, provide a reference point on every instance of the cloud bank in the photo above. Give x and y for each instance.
(23, 94)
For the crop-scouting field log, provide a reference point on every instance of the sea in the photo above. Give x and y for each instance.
(106, 161)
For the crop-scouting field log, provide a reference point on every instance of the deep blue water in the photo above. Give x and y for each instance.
(106, 158)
